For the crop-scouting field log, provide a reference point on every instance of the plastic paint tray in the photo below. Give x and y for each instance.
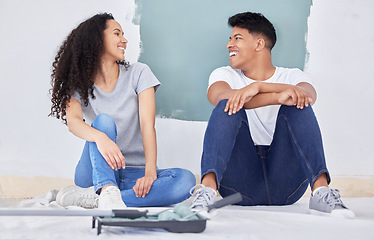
(175, 226)
(192, 223)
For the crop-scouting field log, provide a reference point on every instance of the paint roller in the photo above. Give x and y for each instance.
(181, 219)
(180, 211)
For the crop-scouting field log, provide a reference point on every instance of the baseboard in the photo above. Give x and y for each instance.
(15, 187)
(353, 186)
(29, 187)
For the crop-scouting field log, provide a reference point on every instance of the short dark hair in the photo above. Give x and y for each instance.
(255, 23)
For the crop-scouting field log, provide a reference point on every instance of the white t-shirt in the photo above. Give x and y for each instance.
(122, 105)
(261, 120)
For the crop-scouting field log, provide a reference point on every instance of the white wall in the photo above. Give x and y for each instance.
(340, 43)
(32, 144)
(341, 46)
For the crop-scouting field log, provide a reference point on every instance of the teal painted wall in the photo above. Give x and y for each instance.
(184, 41)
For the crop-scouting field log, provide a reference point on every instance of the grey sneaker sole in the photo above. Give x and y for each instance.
(62, 191)
(338, 213)
(64, 195)
(204, 213)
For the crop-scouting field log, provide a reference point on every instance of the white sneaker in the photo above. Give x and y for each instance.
(205, 196)
(111, 198)
(77, 196)
(326, 201)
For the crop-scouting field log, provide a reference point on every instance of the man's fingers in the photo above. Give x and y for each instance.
(227, 106)
(306, 101)
(298, 99)
(241, 104)
(232, 103)
(235, 101)
(294, 98)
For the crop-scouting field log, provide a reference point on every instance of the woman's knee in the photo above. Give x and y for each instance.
(105, 123)
(188, 177)
(82, 182)
(103, 119)
(184, 180)
(184, 177)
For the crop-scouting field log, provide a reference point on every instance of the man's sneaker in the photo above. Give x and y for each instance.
(326, 201)
(77, 196)
(204, 196)
(111, 198)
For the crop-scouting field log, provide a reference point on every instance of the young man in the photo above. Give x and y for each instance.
(263, 139)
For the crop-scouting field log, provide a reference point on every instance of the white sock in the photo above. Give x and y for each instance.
(317, 189)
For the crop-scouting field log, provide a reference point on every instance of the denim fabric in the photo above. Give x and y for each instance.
(170, 187)
(277, 174)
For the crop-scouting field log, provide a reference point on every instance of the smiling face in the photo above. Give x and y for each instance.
(114, 42)
(242, 48)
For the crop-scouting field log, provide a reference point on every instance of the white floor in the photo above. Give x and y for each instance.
(232, 222)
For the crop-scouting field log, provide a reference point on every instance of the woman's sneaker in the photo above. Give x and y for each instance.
(205, 196)
(77, 196)
(111, 198)
(326, 201)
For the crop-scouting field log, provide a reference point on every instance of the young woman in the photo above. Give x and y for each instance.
(92, 83)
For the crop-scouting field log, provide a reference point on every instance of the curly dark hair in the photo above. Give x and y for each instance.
(255, 23)
(77, 62)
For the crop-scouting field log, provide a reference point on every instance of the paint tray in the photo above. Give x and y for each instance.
(193, 223)
(175, 226)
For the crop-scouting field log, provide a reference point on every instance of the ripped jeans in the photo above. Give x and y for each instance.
(171, 186)
(278, 174)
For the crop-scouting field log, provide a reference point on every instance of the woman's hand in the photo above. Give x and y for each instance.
(110, 152)
(143, 185)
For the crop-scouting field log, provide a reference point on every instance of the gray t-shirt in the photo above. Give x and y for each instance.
(122, 105)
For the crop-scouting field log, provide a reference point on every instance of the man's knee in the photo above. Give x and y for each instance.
(222, 104)
(220, 110)
(220, 120)
(294, 111)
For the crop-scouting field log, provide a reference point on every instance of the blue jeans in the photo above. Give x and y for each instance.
(171, 186)
(277, 174)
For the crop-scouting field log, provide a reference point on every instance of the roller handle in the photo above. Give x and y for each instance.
(232, 199)
(128, 213)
